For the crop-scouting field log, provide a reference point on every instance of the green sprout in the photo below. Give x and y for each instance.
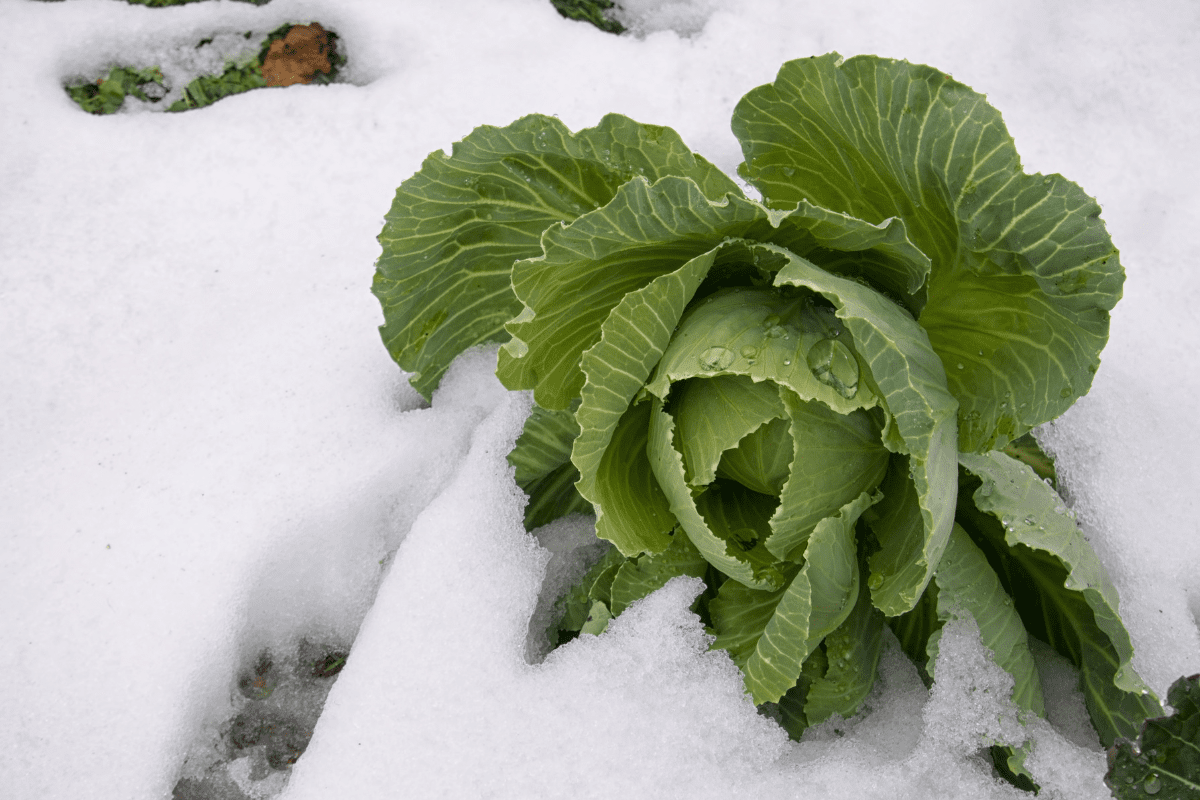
(107, 95)
(590, 11)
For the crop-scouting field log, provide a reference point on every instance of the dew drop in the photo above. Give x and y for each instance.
(715, 358)
(776, 332)
(770, 321)
(833, 364)
(787, 362)
(789, 171)
(749, 351)
(986, 489)
(960, 366)
(875, 581)
(1152, 785)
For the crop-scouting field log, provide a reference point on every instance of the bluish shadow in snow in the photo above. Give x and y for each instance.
(309, 596)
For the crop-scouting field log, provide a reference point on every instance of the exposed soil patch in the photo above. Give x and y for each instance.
(299, 56)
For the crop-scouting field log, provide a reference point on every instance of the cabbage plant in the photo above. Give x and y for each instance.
(803, 399)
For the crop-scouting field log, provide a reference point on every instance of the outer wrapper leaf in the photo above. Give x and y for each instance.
(591, 265)
(647, 231)
(1166, 762)
(542, 458)
(597, 619)
(967, 585)
(1061, 589)
(632, 509)
(576, 605)
(638, 577)
(1024, 273)
(456, 226)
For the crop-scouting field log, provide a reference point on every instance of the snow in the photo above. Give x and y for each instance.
(206, 452)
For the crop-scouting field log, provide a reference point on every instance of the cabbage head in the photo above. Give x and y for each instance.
(803, 398)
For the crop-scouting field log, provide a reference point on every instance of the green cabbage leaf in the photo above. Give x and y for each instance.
(800, 398)
(1024, 274)
(1165, 761)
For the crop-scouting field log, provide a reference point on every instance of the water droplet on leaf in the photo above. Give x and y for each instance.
(749, 352)
(875, 581)
(833, 364)
(715, 358)
(1152, 785)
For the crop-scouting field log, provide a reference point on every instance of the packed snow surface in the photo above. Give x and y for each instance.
(205, 451)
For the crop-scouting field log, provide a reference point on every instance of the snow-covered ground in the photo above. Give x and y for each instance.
(205, 450)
